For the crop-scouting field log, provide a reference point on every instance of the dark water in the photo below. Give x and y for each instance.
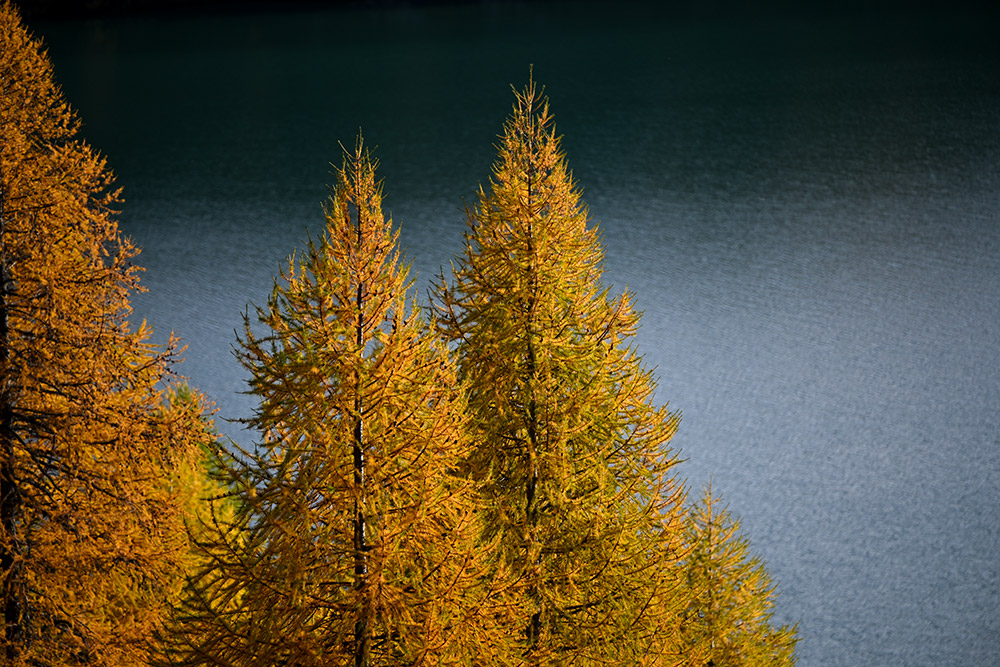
(807, 208)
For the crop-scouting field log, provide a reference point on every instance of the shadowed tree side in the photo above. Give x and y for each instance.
(91, 505)
(728, 621)
(353, 538)
(571, 453)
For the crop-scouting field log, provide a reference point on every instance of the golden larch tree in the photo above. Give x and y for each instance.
(728, 620)
(352, 542)
(571, 451)
(91, 505)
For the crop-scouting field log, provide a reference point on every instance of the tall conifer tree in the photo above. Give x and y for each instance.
(91, 507)
(728, 621)
(352, 541)
(571, 450)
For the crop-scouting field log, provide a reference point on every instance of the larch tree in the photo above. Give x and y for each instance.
(353, 537)
(571, 451)
(728, 622)
(91, 504)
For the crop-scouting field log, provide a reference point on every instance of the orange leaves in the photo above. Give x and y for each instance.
(91, 512)
(516, 508)
(569, 449)
(519, 509)
(356, 538)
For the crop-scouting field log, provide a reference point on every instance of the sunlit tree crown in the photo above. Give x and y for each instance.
(91, 449)
(728, 620)
(353, 541)
(571, 450)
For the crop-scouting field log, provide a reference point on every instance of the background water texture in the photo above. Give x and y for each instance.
(808, 210)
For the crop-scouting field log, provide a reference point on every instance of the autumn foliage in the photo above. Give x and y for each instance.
(484, 480)
(92, 540)
(353, 541)
(570, 450)
(727, 620)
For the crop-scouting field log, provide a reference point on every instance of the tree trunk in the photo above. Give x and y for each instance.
(362, 627)
(9, 496)
(534, 629)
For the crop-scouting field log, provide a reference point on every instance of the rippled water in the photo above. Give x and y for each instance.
(807, 209)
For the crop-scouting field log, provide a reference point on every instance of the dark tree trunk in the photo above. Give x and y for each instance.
(534, 628)
(362, 627)
(9, 497)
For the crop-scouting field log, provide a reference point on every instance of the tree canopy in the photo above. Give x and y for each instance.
(728, 619)
(92, 540)
(571, 452)
(489, 480)
(354, 541)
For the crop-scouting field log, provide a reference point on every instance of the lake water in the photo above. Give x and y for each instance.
(808, 210)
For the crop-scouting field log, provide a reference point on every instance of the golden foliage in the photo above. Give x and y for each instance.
(91, 516)
(728, 620)
(353, 541)
(571, 453)
(519, 509)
